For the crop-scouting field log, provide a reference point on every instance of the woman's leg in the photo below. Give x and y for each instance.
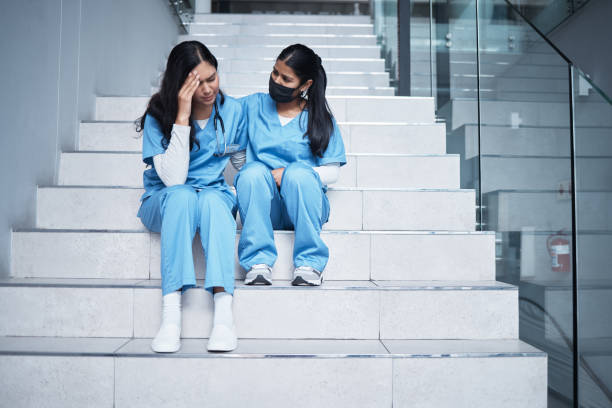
(259, 205)
(308, 209)
(218, 236)
(172, 212)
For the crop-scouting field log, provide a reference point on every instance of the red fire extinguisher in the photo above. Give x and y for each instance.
(559, 249)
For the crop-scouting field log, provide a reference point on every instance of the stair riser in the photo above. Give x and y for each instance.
(331, 51)
(94, 169)
(399, 139)
(104, 381)
(352, 256)
(265, 313)
(279, 40)
(239, 79)
(116, 208)
(330, 65)
(239, 29)
(345, 109)
(233, 18)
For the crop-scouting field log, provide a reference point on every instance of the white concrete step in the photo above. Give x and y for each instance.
(376, 255)
(494, 56)
(548, 210)
(334, 310)
(515, 70)
(283, 40)
(533, 141)
(517, 173)
(352, 90)
(107, 208)
(377, 109)
(499, 83)
(124, 372)
(280, 28)
(324, 51)
(357, 137)
(340, 79)
(260, 18)
(330, 64)
(549, 114)
(361, 170)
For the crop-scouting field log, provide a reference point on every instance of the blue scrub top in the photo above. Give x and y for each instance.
(277, 146)
(205, 169)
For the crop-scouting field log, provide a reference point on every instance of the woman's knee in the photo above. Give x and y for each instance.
(252, 174)
(180, 197)
(298, 173)
(211, 201)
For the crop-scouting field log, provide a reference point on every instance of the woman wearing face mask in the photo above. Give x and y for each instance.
(190, 130)
(295, 149)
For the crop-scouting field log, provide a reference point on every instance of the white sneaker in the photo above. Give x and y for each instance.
(305, 275)
(222, 338)
(259, 274)
(168, 339)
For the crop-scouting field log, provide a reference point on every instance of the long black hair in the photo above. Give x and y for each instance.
(307, 65)
(163, 105)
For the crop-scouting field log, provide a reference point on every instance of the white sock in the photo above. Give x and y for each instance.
(223, 309)
(171, 308)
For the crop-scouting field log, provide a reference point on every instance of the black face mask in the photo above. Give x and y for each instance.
(281, 93)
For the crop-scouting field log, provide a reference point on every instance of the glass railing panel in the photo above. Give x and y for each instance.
(525, 181)
(593, 162)
(455, 83)
(384, 16)
(422, 54)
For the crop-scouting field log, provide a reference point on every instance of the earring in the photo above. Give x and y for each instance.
(304, 94)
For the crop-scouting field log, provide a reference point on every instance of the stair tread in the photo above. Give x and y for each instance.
(362, 232)
(277, 284)
(267, 348)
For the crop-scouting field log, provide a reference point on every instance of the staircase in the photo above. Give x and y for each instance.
(410, 313)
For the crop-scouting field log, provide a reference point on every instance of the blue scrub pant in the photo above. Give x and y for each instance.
(301, 204)
(177, 212)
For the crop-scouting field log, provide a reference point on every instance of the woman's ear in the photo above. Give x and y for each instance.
(306, 85)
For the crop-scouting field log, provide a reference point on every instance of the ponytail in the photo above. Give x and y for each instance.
(307, 65)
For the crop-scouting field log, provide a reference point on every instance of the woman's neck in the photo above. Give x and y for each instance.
(200, 112)
(290, 109)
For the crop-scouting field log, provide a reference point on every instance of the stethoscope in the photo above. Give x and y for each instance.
(217, 116)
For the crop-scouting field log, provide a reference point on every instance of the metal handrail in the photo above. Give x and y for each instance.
(184, 12)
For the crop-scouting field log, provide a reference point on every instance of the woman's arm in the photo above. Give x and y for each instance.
(172, 165)
(238, 159)
(328, 173)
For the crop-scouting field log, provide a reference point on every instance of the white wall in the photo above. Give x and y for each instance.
(57, 55)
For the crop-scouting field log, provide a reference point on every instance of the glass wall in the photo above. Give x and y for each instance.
(535, 140)
(525, 182)
(593, 153)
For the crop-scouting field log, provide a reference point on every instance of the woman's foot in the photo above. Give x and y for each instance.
(168, 338)
(259, 274)
(305, 275)
(223, 335)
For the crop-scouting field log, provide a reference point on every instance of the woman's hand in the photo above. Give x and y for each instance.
(278, 175)
(184, 98)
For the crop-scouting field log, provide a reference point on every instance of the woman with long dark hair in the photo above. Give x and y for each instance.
(295, 149)
(190, 130)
